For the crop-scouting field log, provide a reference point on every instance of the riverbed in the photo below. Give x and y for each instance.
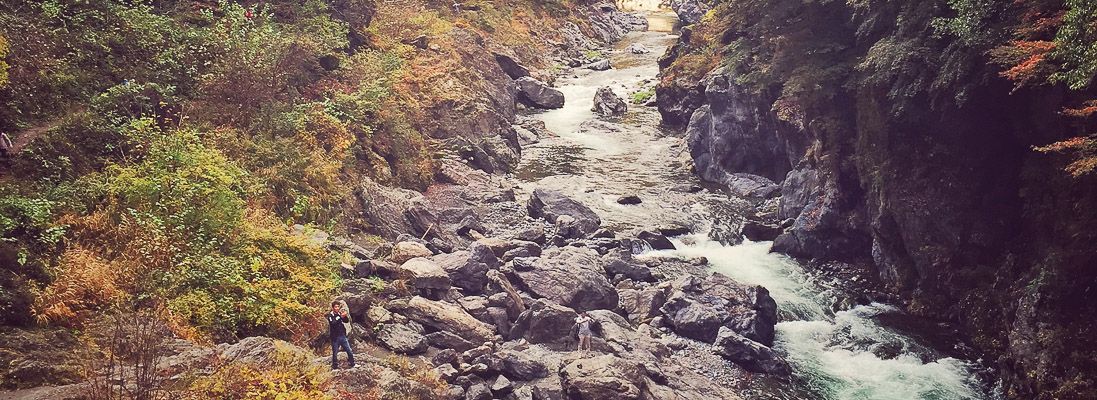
(853, 353)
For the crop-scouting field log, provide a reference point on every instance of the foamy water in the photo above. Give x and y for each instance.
(833, 352)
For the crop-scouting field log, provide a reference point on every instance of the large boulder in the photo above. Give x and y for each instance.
(643, 304)
(697, 308)
(425, 274)
(550, 205)
(750, 354)
(404, 251)
(545, 322)
(572, 277)
(521, 366)
(538, 94)
(510, 66)
(442, 316)
(628, 269)
(402, 338)
(604, 377)
(657, 240)
(608, 103)
(599, 65)
(468, 269)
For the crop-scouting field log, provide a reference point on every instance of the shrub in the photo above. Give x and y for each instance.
(290, 375)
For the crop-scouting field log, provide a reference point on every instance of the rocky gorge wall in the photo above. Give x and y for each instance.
(945, 199)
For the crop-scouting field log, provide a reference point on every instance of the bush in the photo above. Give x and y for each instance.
(176, 228)
(290, 375)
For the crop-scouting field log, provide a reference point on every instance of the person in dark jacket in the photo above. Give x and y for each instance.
(337, 328)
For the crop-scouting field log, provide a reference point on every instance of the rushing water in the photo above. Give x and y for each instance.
(847, 355)
(843, 355)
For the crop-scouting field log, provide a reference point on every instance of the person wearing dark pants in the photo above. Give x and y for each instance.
(337, 328)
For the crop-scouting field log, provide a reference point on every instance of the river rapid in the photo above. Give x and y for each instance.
(869, 351)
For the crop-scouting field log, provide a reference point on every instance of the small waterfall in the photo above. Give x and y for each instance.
(844, 355)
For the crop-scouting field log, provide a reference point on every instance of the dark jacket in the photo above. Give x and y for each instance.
(335, 325)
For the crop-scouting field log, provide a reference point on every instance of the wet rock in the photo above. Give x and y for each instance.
(425, 274)
(599, 65)
(538, 94)
(637, 48)
(656, 240)
(404, 251)
(674, 230)
(442, 316)
(572, 277)
(550, 205)
(402, 338)
(629, 200)
(759, 231)
(697, 308)
(750, 354)
(510, 66)
(545, 322)
(608, 103)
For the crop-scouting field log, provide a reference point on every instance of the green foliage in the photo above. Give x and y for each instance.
(4, 48)
(289, 375)
(643, 95)
(1077, 44)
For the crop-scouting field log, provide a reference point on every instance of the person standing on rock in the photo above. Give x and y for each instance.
(337, 320)
(582, 324)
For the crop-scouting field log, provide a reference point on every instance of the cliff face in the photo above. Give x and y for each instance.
(907, 150)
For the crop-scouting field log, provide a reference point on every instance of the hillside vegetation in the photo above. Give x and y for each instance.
(163, 148)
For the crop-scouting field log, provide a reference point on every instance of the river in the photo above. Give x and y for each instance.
(871, 351)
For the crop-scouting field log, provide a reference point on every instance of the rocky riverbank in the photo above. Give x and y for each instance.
(935, 195)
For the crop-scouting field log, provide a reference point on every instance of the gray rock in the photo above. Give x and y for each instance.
(442, 316)
(635, 271)
(447, 340)
(697, 308)
(550, 205)
(501, 386)
(545, 322)
(643, 304)
(538, 94)
(750, 354)
(599, 65)
(511, 67)
(522, 367)
(425, 274)
(405, 251)
(690, 11)
(468, 269)
(656, 240)
(608, 103)
(637, 48)
(403, 338)
(572, 277)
